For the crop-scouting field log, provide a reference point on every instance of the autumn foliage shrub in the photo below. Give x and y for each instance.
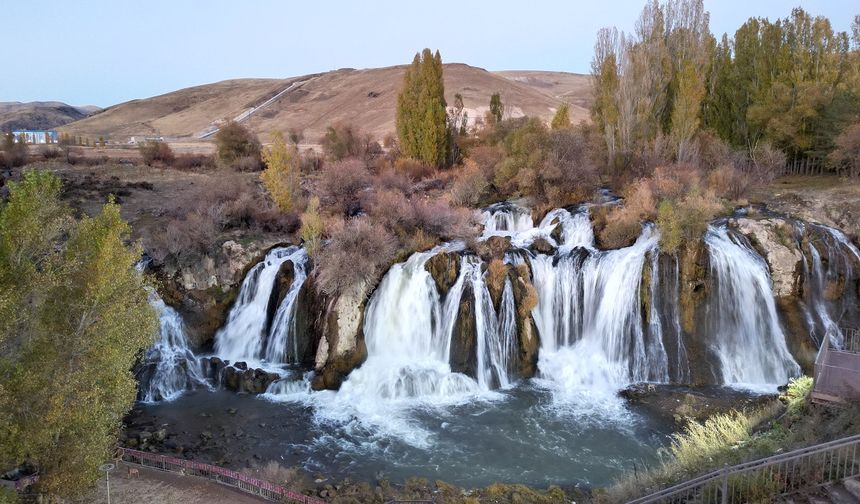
(342, 184)
(414, 170)
(238, 147)
(356, 256)
(470, 186)
(152, 151)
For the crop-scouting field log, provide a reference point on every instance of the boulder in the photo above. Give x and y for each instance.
(774, 240)
(542, 246)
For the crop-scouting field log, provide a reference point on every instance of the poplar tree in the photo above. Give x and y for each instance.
(496, 107)
(421, 111)
(74, 317)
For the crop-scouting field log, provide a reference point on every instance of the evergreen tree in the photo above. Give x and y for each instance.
(496, 107)
(422, 125)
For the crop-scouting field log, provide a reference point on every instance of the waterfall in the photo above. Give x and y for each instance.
(823, 315)
(407, 331)
(169, 367)
(590, 322)
(282, 343)
(666, 314)
(495, 334)
(745, 332)
(506, 219)
(246, 335)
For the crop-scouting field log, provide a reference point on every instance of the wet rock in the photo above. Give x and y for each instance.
(528, 340)
(542, 246)
(159, 435)
(463, 355)
(344, 340)
(493, 247)
(241, 365)
(774, 240)
(144, 436)
(232, 379)
(444, 268)
(206, 435)
(557, 230)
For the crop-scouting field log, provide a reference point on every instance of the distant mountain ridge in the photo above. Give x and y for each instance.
(364, 98)
(40, 115)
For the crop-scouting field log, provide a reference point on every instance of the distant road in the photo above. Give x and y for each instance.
(211, 130)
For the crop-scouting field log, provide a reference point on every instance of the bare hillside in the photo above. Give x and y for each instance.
(364, 98)
(39, 115)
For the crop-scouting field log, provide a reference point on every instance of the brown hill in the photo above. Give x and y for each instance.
(363, 98)
(39, 115)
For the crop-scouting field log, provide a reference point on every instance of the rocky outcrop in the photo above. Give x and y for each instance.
(774, 240)
(341, 346)
(444, 267)
(463, 355)
(695, 284)
(493, 247)
(237, 377)
(525, 297)
(203, 292)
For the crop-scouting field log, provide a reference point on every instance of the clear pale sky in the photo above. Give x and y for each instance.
(102, 52)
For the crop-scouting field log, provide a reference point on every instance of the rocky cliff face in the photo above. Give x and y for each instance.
(341, 346)
(774, 239)
(203, 292)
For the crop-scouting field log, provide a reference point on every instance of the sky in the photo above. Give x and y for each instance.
(103, 52)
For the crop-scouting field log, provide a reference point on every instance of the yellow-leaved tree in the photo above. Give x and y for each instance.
(74, 317)
(281, 177)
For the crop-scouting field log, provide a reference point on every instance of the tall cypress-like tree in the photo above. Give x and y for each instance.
(421, 114)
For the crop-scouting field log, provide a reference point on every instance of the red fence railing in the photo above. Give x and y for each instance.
(235, 479)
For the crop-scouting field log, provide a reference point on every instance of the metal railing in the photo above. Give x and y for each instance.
(765, 479)
(235, 479)
(850, 339)
(837, 370)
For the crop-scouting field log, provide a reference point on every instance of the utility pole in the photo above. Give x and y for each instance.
(107, 468)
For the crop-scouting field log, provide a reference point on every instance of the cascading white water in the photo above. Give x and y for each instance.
(495, 334)
(169, 367)
(745, 331)
(244, 335)
(589, 319)
(282, 343)
(824, 317)
(506, 219)
(407, 332)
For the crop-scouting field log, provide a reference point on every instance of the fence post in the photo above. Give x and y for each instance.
(724, 498)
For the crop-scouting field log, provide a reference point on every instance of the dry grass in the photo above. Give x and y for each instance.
(361, 97)
(738, 436)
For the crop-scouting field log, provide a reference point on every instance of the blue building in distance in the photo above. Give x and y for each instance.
(36, 136)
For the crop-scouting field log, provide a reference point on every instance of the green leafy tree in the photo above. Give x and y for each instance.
(234, 142)
(75, 316)
(561, 119)
(422, 125)
(281, 176)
